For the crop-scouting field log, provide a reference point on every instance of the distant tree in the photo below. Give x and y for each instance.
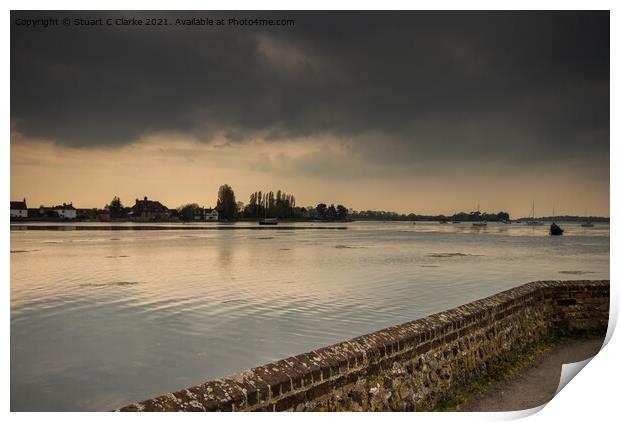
(321, 210)
(331, 211)
(341, 212)
(186, 212)
(226, 203)
(116, 209)
(278, 205)
(503, 216)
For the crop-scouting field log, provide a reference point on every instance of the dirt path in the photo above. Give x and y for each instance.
(536, 383)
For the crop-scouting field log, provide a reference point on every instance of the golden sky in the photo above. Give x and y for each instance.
(177, 169)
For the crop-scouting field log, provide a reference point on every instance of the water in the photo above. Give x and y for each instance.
(103, 318)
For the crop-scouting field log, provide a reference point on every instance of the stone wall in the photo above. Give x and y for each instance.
(410, 366)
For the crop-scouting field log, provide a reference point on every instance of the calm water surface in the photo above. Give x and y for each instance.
(103, 318)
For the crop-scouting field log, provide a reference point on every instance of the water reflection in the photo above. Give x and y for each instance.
(98, 321)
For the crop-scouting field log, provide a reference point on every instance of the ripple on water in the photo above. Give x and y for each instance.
(576, 272)
(116, 283)
(194, 312)
(450, 254)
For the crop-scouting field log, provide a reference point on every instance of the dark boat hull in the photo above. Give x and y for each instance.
(555, 230)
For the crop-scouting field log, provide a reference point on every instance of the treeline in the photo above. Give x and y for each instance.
(461, 216)
(274, 205)
(478, 216)
(323, 212)
(283, 205)
(569, 218)
(270, 205)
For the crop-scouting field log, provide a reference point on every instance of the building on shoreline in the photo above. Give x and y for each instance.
(93, 214)
(144, 210)
(147, 210)
(211, 214)
(65, 211)
(19, 209)
(199, 214)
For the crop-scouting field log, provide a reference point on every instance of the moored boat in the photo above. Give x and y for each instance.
(555, 230)
(481, 223)
(587, 223)
(268, 222)
(533, 222)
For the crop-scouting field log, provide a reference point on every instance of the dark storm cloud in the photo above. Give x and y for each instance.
(419, 82)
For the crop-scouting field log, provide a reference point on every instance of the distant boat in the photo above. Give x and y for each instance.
(268, 221)
(479, 223)
(555, 230)
(588, 223)
(533, 222)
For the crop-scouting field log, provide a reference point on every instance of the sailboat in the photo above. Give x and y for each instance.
(533, 222)
(554, 229)
(454, 219)
(479, 223)
(587, 223)
(268, 221)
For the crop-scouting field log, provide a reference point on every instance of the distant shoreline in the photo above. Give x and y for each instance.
(565, 219)
(71, 227)
(65, 225)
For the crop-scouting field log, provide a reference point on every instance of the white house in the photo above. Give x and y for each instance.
(211, 214)
(65, 211)
(19, 209)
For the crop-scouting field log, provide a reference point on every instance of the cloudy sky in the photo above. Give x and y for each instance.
(423, 112)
